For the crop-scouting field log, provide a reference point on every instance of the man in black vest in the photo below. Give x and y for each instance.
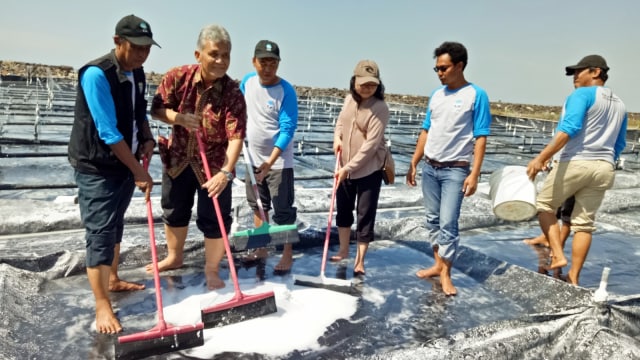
(110, 135)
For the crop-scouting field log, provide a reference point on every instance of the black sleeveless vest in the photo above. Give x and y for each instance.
(87, 152)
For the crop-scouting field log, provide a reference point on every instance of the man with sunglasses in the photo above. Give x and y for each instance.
(589, 139)
(452, 145)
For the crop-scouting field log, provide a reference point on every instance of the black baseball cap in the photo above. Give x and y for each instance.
(267, 49)
(589, 61)
(135, 30)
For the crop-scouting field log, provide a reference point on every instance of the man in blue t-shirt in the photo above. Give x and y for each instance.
(456, 127)
(272, 119)
(589, 139)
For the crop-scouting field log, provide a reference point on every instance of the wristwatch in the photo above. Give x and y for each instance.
(228, 174)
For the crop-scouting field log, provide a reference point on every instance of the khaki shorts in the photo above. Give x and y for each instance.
(587, 180)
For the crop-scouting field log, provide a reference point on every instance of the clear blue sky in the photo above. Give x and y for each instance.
(517, 49)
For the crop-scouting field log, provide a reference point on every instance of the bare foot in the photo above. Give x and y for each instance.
(358, 268)
(284, 264)
(213, 279)
(165, 264)
(539, 240)
(447, 285)
(118, 285)
(431, 272)
(106, 321)
(341, 255)
(359, 272)
(557, 262)
(572, 279)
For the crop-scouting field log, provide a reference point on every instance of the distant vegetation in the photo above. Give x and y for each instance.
(22, 69)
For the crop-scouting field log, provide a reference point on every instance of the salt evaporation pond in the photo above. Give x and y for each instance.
(505, 308)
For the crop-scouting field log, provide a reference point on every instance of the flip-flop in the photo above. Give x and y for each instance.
(337, 258)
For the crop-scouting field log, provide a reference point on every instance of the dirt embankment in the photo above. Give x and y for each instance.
(10, 69)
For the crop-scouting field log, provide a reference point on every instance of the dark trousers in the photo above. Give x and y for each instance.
(103, 201)
(276, 188)
(178, 198)
(362, 195)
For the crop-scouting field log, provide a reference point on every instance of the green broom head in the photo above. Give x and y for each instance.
(265, 235)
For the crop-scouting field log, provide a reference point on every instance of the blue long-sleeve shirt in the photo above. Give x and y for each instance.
(98, 94)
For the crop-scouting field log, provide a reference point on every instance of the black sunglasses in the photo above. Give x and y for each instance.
(441, 68)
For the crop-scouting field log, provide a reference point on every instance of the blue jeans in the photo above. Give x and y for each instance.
(442, 193)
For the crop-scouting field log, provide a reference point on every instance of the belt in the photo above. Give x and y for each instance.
(446, 164)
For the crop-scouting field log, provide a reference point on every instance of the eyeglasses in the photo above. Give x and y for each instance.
(441, 68)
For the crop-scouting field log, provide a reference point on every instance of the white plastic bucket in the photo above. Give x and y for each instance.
(513, 195)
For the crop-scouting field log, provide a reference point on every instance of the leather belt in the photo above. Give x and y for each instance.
(445, 164)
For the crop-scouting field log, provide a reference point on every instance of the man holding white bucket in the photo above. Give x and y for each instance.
(457, 113)
(590, 137)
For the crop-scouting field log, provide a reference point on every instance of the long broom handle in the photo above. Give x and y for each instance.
(333, 200)
(223, 230)
(254, 183)
(154, 256)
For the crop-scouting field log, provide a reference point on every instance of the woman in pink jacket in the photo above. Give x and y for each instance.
(359, 137)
